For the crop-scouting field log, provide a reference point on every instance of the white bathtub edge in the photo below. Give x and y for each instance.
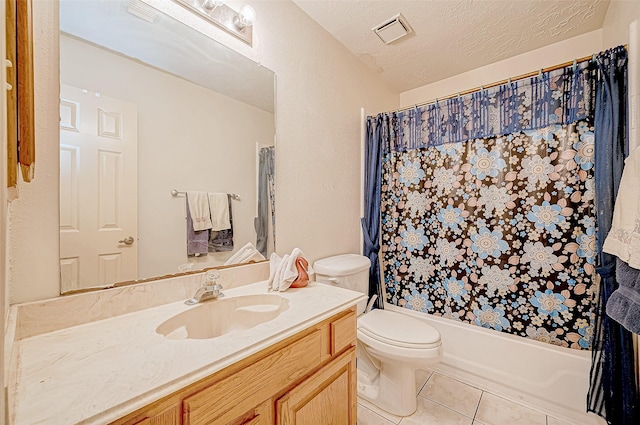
(514, 368)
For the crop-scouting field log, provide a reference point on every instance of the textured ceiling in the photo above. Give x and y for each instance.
(451, 36)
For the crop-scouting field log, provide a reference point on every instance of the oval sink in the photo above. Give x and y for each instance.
(223, 315)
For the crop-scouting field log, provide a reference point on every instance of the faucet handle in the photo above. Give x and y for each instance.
(210, 277)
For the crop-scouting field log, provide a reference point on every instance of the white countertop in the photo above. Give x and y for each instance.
(100, 371)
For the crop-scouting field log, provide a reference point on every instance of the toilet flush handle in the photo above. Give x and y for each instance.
(334, 280)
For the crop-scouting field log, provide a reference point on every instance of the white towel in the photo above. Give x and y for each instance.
(199, 209)
(219, 211)
(245, 254)
(623, 239)
(274, 265)
(283, 270)
(239, 254)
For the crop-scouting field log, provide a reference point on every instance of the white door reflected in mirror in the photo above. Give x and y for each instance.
(98, 189)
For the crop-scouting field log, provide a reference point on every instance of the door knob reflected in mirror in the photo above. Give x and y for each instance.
(127, 240)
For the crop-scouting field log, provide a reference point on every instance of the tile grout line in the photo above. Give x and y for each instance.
(447, 407)
(377, 414)
(461, 382)
(478, 406)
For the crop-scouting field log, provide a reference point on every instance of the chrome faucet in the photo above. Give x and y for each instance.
(209, 291)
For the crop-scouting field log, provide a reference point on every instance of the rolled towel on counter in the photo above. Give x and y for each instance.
(624, 304)
(287, 270)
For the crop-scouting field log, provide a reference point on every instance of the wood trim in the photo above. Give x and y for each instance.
(24, 68)
(12, 96)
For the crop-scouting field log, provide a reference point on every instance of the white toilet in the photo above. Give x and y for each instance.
(391, 346)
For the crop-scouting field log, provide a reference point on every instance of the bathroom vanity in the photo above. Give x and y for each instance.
(297, 367)
(308, 378)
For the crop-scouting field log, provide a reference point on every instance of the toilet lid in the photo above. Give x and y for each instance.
(398, 329)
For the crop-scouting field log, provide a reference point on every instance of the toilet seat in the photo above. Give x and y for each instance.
(398, 330)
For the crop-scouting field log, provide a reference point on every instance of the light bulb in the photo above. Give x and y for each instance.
(212, 4)
(246, 16)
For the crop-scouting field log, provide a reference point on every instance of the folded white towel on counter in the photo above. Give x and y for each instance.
(199, 209)
(244, 255)
(219, 211)
(283, 270)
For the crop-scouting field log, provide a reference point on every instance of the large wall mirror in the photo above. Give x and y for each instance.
(149, 106)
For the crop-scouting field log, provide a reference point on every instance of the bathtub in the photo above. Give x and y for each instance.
(542, 376)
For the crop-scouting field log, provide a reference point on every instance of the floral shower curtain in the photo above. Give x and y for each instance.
(498, 232)
(487, 208)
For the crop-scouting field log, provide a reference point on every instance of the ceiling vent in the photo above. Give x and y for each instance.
(393, 29)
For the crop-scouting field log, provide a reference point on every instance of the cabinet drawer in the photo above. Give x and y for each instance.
(343, 333)
(233, 396)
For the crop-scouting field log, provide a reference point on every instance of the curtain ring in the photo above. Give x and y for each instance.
(575, 65)
(540, 74)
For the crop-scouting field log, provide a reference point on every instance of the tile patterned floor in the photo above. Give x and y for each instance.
(446, 401)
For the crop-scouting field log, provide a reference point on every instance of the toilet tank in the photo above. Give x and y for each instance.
(349, 271)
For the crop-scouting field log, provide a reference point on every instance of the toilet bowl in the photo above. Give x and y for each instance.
(391, 346)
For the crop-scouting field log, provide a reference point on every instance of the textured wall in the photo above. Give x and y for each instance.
(621, 13)
(33, 217)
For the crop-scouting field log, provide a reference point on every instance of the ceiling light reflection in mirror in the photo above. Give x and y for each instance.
(202, 113)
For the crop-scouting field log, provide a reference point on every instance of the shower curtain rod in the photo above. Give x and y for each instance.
(498, 83)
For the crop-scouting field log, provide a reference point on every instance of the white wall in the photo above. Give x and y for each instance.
(320, 89)
(564, 51)
(616, 31)
(199, 140)
(621, 13)
(33, 217)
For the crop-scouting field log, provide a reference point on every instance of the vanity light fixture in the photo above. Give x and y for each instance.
(246, 17)
(238, 24)
(142, 11)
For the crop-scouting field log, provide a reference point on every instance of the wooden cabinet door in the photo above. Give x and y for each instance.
(328, 397)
